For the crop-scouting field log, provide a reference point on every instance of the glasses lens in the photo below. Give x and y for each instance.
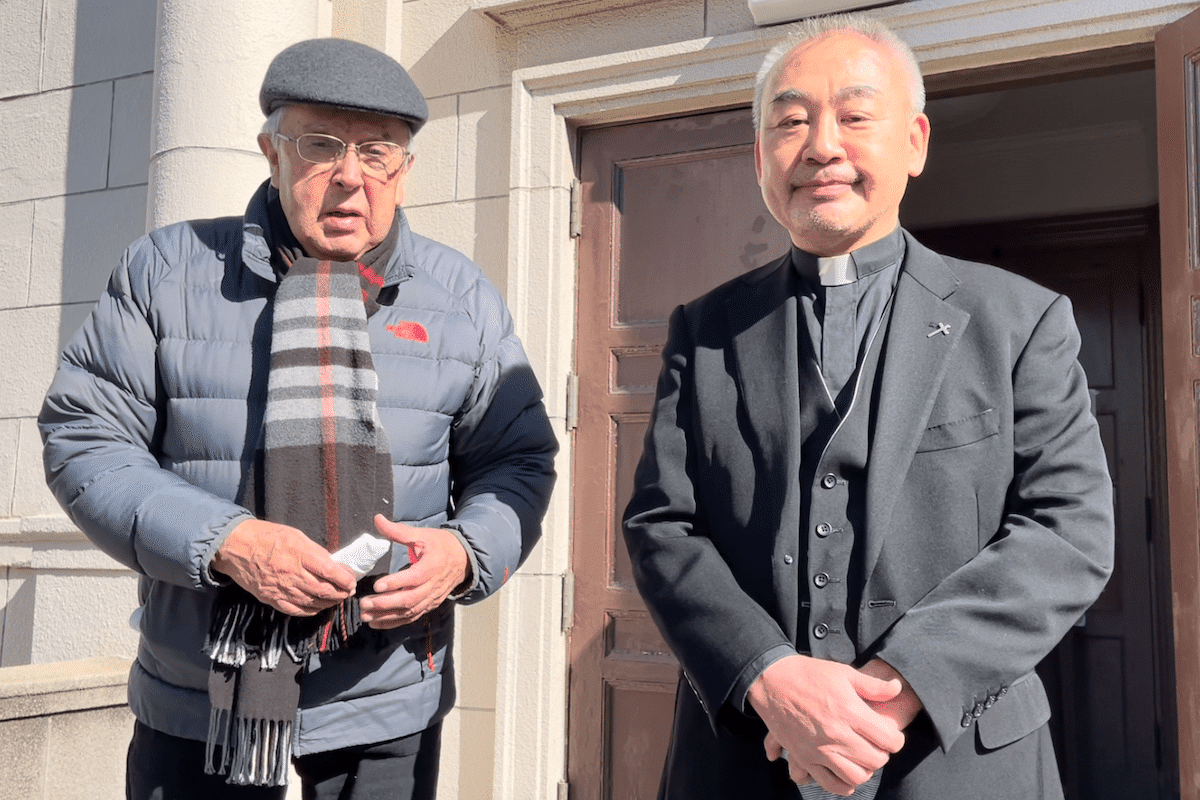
(319, 148)
(379, 156)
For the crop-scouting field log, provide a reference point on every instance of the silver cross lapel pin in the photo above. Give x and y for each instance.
(938, 327)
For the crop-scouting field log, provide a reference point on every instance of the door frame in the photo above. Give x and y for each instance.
(548, 104)
(1179, 144)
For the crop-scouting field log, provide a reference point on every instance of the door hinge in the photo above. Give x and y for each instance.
(576, 209)
(572, 401)
(568, 602)
(564, 790)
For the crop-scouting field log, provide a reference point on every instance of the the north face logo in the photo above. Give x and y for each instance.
(413, 331)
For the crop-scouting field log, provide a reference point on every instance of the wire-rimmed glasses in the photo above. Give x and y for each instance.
(378, 159)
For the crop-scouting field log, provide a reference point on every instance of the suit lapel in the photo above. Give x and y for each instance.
(911, 373)
(762, 328)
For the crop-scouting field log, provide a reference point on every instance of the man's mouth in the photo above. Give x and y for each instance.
(826, 187)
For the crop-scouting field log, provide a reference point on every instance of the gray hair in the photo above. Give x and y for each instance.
(819, 27)
(271, 125)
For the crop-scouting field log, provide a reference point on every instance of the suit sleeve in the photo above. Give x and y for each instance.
(722, 637)
(988, 624)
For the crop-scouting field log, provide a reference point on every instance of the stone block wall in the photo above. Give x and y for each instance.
(75, 98)
(66, 727)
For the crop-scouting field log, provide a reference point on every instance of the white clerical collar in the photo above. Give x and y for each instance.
(849, 267)
(837, 270)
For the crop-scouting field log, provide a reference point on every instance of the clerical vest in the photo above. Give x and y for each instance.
(833, 471)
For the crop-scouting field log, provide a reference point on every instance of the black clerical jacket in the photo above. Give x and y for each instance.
(988, 533)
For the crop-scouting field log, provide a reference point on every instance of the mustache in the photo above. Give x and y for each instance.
(826, 175)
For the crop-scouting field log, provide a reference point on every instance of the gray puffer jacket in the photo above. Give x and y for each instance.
(155, 412)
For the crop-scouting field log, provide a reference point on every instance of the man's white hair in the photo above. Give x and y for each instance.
(271, 125)
(819, 27)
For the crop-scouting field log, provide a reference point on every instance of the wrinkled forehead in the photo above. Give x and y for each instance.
(308, 118)
(843, 64)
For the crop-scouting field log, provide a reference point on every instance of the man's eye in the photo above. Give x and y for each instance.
(377, 150)
(793, 122)
(322, 146)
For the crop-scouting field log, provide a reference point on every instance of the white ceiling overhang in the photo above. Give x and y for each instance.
(771, 12)
(514, 14)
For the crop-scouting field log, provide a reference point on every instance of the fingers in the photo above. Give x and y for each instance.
(876, 689)
(283, 568)
(831, 782)
(772, 746)
(398, 532)
(814, 710)
(438, 565)
(799, 776)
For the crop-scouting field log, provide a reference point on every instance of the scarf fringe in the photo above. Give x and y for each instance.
(254, 752)
(236, 626)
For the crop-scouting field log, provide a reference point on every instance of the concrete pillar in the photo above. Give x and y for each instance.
(210, 58)
(375, 22)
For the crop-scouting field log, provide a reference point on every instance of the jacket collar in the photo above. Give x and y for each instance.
(256, 242)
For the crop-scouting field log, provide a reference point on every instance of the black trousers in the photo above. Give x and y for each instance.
(163, 767)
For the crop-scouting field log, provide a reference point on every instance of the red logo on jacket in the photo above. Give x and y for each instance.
(413, 331)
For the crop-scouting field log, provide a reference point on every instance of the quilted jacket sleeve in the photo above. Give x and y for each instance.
(100, 422)
(501, 451)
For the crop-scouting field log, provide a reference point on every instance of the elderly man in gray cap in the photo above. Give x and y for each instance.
(311, 432)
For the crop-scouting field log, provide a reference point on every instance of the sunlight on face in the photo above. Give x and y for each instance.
(838, 142)
(336, 211)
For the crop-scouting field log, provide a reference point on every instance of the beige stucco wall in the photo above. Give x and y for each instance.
(86, 102)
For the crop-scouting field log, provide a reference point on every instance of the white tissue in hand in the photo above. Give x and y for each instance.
(361, 554)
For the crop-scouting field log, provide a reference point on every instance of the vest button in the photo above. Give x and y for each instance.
(821, 580)
(787, 559)
(828, 480)
(821, 631)
(824, 529)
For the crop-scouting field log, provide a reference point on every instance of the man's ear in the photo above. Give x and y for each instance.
(918, 137)
(758, 158)
(267, 145)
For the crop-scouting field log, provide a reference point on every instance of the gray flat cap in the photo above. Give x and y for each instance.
(345, 74)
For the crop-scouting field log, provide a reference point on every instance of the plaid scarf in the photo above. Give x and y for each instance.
(324, 467)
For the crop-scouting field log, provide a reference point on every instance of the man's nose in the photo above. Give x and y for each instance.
(824, 143)
(347, 170)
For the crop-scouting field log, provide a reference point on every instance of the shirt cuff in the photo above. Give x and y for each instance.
(741, 687)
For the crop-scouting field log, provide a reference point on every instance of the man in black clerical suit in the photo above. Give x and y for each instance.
(873, 495)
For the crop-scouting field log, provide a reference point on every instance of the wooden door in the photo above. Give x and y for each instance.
(671, 209)
(1177, 56)
(1106, 678)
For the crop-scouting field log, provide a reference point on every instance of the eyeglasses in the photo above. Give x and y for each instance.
(378, 159)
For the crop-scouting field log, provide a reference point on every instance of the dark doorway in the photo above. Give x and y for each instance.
(1105, 678)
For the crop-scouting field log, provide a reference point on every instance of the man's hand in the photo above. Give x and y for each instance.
(904, 707)
(283, 568)
(821, 713)
(439, 564)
